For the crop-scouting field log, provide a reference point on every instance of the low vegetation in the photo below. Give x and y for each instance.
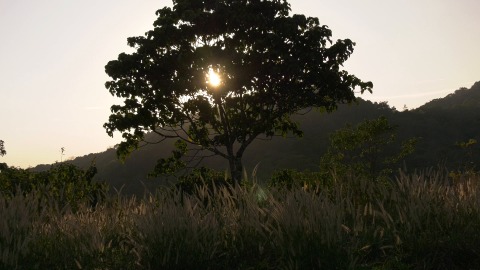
(361, 215)
(420, 221)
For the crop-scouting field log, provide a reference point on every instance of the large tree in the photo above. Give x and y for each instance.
(217, 74)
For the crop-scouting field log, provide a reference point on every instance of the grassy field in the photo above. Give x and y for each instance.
(417, 221)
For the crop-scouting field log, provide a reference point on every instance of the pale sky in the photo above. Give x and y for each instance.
(53, 53)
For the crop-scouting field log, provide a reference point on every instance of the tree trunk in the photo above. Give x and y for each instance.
(236, 169)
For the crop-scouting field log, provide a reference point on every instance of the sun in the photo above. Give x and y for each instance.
(213, 78)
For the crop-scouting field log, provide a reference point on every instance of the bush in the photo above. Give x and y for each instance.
(202, 177)
(63, 184)
(292, 179)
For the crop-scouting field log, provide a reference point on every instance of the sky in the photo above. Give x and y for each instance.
(53, 54)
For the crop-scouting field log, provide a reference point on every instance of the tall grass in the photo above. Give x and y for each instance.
(418, 221)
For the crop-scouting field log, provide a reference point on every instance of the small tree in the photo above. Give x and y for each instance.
(3, 152)
(365, 150)
(217, 74)
(466, 160)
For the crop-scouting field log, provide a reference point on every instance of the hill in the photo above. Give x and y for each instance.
(439, 124)
(463, 98)
(443, 123)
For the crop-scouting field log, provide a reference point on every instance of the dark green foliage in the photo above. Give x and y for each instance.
(294, 179)
(63, 184)
(272, 65)
(284, 178)
(200, 177)
(470, 148)
(365, 151)
(174, 163)
(466, 165)
(13, 179)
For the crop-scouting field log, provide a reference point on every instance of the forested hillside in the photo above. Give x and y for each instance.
(441, 126)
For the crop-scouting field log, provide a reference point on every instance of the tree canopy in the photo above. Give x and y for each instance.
(268, 65)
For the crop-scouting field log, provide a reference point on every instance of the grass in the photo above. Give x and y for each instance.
(418, 221)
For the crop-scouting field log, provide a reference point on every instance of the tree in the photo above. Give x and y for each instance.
(217, 74)
(367, 150)
(3, 152)
(466, 160)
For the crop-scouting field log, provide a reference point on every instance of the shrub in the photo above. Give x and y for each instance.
(200, 177)
(292, 179)
(63, 184)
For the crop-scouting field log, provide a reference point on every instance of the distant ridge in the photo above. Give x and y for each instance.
(439, 123)
(462, 97)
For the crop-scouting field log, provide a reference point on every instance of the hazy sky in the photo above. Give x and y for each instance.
(53, 53)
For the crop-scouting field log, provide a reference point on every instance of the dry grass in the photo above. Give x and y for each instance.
(419, 221)
(17, 218)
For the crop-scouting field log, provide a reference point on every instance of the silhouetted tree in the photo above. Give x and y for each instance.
(3, 152)
(217, 74)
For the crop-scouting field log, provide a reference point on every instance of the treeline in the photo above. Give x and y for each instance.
(64, 184)
(446, 131)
